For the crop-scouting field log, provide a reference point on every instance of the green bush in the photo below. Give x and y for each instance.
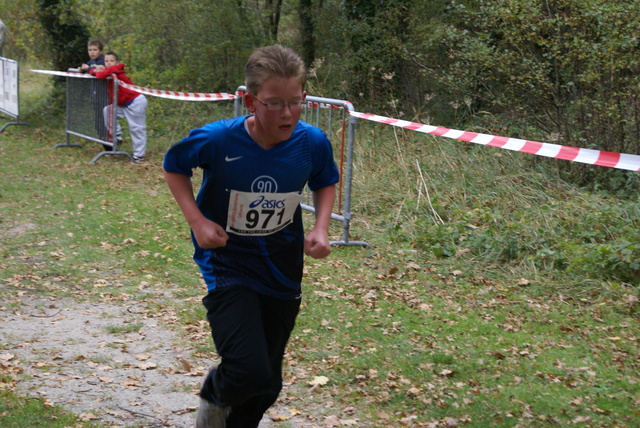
(589, 239)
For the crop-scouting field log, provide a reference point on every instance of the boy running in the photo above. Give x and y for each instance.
(247, 231)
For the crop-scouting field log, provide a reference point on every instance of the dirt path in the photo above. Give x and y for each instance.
(80, 356)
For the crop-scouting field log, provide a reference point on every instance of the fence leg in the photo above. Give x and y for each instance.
(111, 153)
(12, 123)
(67, 144)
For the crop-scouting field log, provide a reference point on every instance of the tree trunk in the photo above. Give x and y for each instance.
(307, 32)
(69, 36)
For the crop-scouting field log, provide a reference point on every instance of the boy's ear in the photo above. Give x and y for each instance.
(248, 101)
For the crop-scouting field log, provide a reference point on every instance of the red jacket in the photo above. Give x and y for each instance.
(125, 96)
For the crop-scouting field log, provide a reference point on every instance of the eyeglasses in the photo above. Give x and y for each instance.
(277, 105)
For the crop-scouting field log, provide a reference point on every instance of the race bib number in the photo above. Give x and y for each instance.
(259, 214)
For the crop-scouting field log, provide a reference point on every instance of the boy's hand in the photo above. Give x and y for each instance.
(83, 67)
(100, 67)
(209, 234)
(316, 245)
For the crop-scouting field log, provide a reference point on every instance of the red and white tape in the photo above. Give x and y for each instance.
(185, 96)
(574, 154)
(64, 73)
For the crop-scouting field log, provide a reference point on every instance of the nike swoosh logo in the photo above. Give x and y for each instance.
(228, 159)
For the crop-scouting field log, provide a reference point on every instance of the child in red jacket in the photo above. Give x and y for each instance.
(131, 104)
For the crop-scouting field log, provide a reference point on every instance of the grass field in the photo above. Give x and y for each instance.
(477, 316)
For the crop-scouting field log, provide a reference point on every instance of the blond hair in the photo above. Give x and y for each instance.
(275, 61)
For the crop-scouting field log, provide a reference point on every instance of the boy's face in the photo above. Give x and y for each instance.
(94, 52)
(275, 126)
(110, 60)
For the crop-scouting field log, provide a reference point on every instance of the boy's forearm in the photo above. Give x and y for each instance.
(182, 190)
(323, 200)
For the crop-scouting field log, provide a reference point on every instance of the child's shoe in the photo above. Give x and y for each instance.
(211, 415)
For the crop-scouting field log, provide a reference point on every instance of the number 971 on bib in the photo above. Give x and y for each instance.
(260, 214)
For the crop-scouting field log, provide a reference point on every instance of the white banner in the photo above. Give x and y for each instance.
(9, 87)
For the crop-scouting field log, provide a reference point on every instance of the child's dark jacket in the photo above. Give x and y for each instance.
(92, 63)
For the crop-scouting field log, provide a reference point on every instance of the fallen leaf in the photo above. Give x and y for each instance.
(186, 365)
(451, 422)
(577, 401)
(383, 415)
(87, 417)
(331, 421)
(280, 418)
(414, 391)
(147, 366)
(370, 295)
(319, 380)
(294, 412)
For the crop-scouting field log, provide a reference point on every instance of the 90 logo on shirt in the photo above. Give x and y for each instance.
(264, 184)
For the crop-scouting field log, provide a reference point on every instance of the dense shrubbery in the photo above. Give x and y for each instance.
(604, 246)
(481, 208)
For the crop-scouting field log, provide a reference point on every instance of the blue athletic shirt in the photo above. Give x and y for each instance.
(232, 160)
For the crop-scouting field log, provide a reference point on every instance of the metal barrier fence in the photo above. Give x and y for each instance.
(91, 114)
(10, 94)
(332, 116)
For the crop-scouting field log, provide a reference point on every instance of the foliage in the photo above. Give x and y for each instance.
(68, 36)
(606, 249)
(568, 69)
(190, 46)
(24, 31)
(307, 32)
(376, 32)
